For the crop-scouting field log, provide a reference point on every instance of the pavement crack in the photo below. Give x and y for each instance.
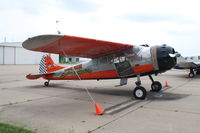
(99, 127)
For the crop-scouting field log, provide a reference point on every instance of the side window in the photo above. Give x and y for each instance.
(122, 58)
(191, 58)
(110, 59)
(116, 60)
(95, 62)
(103, 60)
(199, 57)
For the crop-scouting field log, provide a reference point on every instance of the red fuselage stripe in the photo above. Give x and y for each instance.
(106, 74)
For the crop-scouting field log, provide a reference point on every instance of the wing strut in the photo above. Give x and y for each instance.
(99, 111)
(92, 99)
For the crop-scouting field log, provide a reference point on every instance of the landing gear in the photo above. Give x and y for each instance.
(191, 74)
(139, 92)
(46, 83)
(155, 86)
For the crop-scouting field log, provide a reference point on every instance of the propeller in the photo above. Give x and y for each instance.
(175, 55)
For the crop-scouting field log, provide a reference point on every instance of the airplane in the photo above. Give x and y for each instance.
(191, 62)
(109, 60)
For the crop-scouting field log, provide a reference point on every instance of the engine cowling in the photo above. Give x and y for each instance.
(164, 60)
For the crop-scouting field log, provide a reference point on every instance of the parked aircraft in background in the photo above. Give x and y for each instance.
(109, 60)
(192, 63)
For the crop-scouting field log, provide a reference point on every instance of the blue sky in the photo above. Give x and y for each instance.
(172, 22)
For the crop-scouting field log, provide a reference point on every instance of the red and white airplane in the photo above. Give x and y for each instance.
(109, 60)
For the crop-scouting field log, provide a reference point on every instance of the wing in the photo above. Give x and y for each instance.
(188, 64)
(73, 46)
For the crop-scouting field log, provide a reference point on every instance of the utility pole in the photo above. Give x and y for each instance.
(4, 39)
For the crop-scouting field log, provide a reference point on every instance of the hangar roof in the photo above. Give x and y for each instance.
(16, 44)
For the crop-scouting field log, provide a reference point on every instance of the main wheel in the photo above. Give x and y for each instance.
(191, 75)
(46, 83)
(139, 92)
(156, 86)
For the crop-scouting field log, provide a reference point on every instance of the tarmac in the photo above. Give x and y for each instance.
(65, 107)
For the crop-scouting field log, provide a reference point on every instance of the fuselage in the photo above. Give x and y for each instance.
(128, 63)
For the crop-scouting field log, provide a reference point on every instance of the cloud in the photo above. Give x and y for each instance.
(80, 6)
(28, 6)
(150, 17)
(183, 32)
(173, 22)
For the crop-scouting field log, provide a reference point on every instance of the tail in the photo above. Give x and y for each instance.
(47, 65)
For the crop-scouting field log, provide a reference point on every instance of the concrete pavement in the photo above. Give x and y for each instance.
(65, 107)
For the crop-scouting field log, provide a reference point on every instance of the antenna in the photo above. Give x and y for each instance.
(58, 32)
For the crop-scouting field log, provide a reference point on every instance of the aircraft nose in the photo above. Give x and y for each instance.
(166, 57)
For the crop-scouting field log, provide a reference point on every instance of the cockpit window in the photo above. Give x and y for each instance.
(137, 49)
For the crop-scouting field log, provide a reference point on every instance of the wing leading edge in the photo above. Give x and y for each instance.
(73, 46)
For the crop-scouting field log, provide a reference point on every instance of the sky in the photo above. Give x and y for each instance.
(154, 22)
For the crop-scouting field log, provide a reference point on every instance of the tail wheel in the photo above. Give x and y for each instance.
(46, 83)
(156, 86)
(139, 92)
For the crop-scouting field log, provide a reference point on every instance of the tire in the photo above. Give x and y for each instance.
(46, 83)
(156, 86)
(139, 92)
(191, 75)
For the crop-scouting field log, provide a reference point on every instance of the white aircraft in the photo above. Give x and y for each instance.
(192, 63)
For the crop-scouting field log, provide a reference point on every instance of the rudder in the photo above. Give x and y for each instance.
(47, 65)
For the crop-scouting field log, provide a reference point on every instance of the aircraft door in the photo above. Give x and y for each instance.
(123, 66)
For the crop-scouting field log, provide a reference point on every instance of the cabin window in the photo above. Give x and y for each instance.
(116, 60)
(191, 58)
(103, 60)
(122, 59)
(186, 58)
(110, 59)
(199, 57)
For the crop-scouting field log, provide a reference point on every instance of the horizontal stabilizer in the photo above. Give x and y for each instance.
(36, 76)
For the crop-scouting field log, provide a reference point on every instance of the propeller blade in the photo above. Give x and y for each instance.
(174, 55)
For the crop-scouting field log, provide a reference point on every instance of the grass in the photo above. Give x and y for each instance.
(6, 128)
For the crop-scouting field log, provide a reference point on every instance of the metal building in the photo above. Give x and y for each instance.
(14, 53)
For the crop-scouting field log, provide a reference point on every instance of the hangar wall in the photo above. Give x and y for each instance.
(14, 53)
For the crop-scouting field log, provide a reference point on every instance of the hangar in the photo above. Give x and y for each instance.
(14, 53)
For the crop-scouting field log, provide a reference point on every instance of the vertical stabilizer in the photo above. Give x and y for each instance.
(47, 65)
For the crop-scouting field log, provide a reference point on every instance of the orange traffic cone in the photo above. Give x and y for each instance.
(166, 84)
(99, 111)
